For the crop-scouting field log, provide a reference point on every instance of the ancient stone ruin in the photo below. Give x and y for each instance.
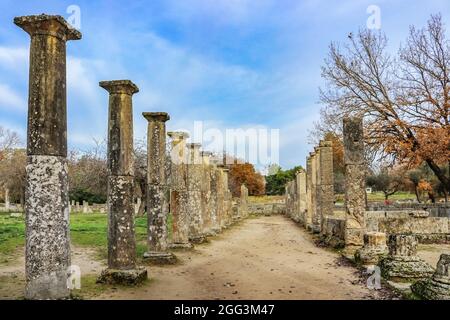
(47, 201)
(122, 267)
(157, 189)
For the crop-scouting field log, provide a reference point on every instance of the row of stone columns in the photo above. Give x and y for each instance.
(396, 255)
(310, 196)
(197, 192)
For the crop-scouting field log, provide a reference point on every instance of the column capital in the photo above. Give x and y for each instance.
(178, 135)
(325, 143)
(119, 87)
(52, 25)
(206, 153)
(194, 146)
(156, 116)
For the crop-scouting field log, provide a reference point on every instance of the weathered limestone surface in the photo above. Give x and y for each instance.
(309, 193)
(157, 189)
(302, 195)
(374, 249)
(317, 216)
(214, 199)
(121, 238)
(47, 227)
(355, 194)
(178, 193)
(438, 286)
(47, 204)
(206, 194)
(326, 188)
(334, 231)
(122, 267)
(194, 187)
(243, 202)
(403, 264)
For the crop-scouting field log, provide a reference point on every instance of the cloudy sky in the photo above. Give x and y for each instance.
(228, 63)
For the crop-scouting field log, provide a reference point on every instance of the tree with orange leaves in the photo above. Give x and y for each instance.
(245, 173)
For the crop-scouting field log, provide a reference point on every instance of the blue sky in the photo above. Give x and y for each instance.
(229, 63)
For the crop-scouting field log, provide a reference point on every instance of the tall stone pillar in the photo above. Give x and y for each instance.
(326, 187)
(309, 193)
(157, 190)
(122, 267)
(228, 199)
(213, 201)
(315, 191)
(178, 191)
(243, 202)
(7, 204)
(47, 256)
(220, 197)
(206, 194)
(355, 191)
(302, 195)
(194, 185)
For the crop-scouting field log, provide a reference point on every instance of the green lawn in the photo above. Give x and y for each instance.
(379, 196)
(86, 230)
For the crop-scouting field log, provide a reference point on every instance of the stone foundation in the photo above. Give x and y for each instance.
(374, 249)
(123, 277)
(403, 264)
(438, 286)
(160, 258)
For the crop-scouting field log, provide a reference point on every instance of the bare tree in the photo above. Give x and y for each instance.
(404, 101)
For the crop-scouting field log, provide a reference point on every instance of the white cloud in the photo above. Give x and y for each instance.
(14, 58)
(11, 100)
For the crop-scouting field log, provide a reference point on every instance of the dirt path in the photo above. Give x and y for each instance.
(263, 258)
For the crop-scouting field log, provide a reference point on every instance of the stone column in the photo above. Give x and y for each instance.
(178, 192)
(47, 256)
(355, 191)
(85, 207)
(309, 193)
(228, 213)
(206, 193)
(122, 267)
(243, 202)
(403, 264)
(157, 190)
(220, 197)
(374, 248)
(314, 192)
(438, 286)
(7, 204)
(213, 201)
(301, 183)
(326, 187)
(194, 179)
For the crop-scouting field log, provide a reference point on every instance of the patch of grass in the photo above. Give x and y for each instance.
(379, 196)
(12, 236)
(88, 230)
